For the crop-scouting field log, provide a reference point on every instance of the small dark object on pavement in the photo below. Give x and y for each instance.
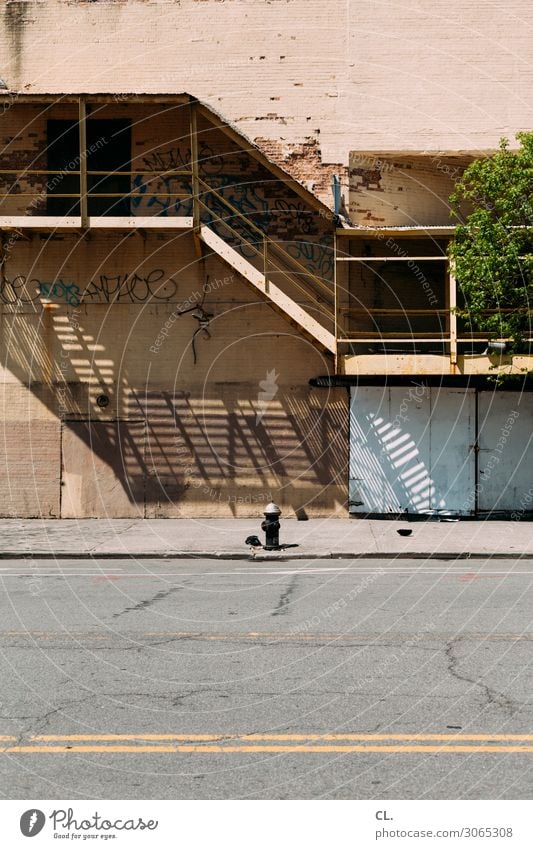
(253, 541)
(404, 532)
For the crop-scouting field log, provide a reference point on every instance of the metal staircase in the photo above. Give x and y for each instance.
(303, 298)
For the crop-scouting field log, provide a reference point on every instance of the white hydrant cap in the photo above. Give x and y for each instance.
(272, 508)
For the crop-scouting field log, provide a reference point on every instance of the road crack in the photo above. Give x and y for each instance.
(142, 605)
(282, 607)
(492, 697)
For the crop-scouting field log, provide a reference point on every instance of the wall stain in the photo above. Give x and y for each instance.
(15, 22)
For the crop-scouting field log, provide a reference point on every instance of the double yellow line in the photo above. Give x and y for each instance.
(270, 743)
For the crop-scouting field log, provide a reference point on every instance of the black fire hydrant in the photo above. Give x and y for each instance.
(270, 525)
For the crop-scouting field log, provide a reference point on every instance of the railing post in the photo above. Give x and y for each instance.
(335, 301)
(82, 122)
(342, 295)
(194, 167)
(3, 259)
(265, 264)
(452, 304)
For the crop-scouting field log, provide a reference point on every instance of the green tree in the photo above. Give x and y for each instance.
(492, 249)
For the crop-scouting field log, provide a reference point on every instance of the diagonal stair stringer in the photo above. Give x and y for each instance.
(282, 302)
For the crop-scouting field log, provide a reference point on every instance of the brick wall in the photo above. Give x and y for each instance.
(311, 79)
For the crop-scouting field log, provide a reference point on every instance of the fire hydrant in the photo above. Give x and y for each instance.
(270, 525)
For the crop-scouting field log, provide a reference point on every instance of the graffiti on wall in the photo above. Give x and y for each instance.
(132, 288)
(60, 290)
(129, 287)
(19, 290)
(317, 257)
(158, 195)
(244, 193)
(276, 217)
(288, 222)
(247, 201)
(237, 178)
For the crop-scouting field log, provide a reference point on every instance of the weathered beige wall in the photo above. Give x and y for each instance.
(311, 80)
(191, 439)
(409, 191)
(160, 140)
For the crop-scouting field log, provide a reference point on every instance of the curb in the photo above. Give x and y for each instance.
(238, 555)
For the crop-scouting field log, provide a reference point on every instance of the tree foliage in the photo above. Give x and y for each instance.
(492, 250)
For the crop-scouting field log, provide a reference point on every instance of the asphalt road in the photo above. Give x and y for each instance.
(219, 680)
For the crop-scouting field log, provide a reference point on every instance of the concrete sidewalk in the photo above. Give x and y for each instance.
(224, 538)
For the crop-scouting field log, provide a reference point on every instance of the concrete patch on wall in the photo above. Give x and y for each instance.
(102, 469)
(403, 190)
(30, 459)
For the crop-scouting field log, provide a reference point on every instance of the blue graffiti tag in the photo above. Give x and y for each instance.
(59, 289)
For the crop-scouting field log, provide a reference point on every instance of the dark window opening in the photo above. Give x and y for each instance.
(108, 150)
(393, 297)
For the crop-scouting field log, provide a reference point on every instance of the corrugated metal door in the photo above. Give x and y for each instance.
(452, 455)
(411, 448)
(505, 452)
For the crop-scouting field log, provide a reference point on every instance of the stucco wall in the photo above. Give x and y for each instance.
(310, 80)
(213, 438)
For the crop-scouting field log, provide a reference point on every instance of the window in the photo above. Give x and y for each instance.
(108, 150)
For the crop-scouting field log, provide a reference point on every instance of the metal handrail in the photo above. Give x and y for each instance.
(261, 233)
(94, 194)
(330, 314)
(385, 312)
(304, 270)
(454, 311)
(390, 338)
(417, 337)
(234, 209)
(225, 224)
(32, 171)
(265, 242)
(475, 336)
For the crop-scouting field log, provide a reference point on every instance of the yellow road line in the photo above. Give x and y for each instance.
(253, 749)
(282, 738)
